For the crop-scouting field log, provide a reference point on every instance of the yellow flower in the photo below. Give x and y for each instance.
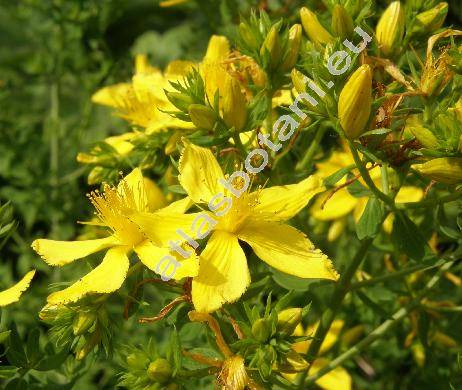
(13, 294)
(218, 79)
(257, 218)
(114, 209)
(342, 203)
(338, 378)
(141, 101)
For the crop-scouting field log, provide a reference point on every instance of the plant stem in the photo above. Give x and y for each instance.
(339, 294)
(307, 159)
(367, 178)
(380, 330)
(397, 274)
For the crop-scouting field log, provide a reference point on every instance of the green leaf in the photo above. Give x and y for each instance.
(32, 346)
(4, 336)
(358, 190)
(49, 363)
(371, 219)
(407, 237)
(333, 179)
(15, 353)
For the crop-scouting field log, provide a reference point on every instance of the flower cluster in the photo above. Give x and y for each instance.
(369, 107)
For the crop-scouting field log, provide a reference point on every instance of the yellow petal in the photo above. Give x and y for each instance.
(156, 198)
(409, 194)
(112, 96)
(217, 49)
(64, 252)
(281, 203)
(131, 187)
(151, 256)
(287, 249)
(121, 143)
(180, 206)
(359, 208)
(339, 205)
(105, 278)
(142, 65)
(337, 379)
(336, 229)
(178, 68)
(199, 173)
(223, 274)
(160, 227)
(13, 294)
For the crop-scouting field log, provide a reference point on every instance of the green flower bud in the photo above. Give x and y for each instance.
(422, 134)
(89, 345)
(293, 363)
(355, 101)
(293, 47)
(137, 361)
(298, 80)
(160, 371)
(82, 322)
(447, 170)
(390, 28)
(272, 44)
(261, 330)
(247, 35)
(431, 20)
(342, 23)
(313, 28)
(203, 117)
(288, 320)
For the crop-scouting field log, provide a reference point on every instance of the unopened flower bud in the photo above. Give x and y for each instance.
(313, 28)
(293, 363)
(137, 361)
(447, 170)
(288, 320)
(418, 352)
(431, 20)
(82, 322)
(233, 374)
(355, 101)
(261, 330)
(160, 371)
(390, 28)
(293, 47)
(422, 134)
(234, 105)
(298, 80)
(203, 117)
(247, 35)
(342, 23)
(272, 45)
(90, 343)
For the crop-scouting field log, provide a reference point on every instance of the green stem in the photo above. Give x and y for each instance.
(367, 178)
(384, 177)
(396, 275)
(380, 330)
(328, 316)
(307, 159)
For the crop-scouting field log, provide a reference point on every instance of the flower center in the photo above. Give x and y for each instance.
(113, 208)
